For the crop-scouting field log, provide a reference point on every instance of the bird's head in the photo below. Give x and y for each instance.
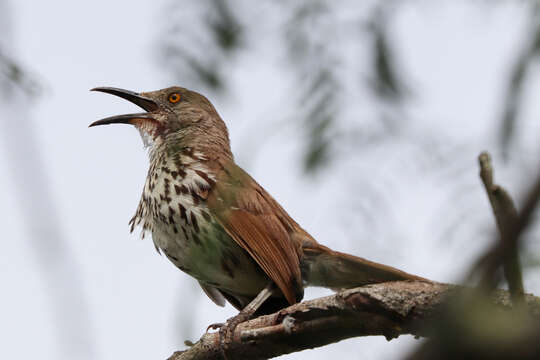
(175, 116)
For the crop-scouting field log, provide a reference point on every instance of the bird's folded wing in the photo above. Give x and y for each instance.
(259, 225)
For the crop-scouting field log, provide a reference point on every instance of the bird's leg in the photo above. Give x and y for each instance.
(226, 330)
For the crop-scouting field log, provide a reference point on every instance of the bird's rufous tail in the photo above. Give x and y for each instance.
(324, 267)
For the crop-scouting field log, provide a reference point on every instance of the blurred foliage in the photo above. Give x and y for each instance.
(386, 83)
(314, 63)
(199, 42)
(11, 73)
(225, 27)
(202, 40)
(515, 92)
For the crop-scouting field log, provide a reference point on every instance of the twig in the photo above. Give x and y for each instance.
(506, 217)
(510, 238)
(390, 309)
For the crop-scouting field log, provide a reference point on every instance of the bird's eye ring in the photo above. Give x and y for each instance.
(174, 98)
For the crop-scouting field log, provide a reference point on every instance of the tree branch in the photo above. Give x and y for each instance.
(506, 217)
(388, 309)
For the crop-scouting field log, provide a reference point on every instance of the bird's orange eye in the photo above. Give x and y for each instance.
(174, 97)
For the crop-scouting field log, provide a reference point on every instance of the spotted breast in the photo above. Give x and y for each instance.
(173, 209)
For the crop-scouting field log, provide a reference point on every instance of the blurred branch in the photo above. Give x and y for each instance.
(389, 309)
(506, 216)
(517, 81)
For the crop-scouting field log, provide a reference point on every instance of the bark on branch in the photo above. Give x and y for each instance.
(388, 309)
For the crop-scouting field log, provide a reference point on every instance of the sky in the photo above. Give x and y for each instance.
(116, 297)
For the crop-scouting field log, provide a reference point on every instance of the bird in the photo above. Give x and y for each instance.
(213, 221)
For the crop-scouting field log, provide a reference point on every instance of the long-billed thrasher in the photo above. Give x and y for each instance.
(216, 223)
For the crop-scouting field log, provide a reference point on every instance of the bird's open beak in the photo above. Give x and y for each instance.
(144, 102)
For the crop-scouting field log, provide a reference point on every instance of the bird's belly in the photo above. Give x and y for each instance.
(211, 257)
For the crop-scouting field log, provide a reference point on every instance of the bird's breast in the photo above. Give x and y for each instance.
(173, 202)
(173, 209)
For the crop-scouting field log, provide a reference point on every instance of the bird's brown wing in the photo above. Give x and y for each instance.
(259, 225)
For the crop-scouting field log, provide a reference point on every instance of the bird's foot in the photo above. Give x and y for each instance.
(226, 331)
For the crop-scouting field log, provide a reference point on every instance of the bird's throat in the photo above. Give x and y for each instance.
(147, 138)
(149, 131)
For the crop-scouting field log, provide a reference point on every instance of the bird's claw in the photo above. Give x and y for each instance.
(215, 326)
(226, 331)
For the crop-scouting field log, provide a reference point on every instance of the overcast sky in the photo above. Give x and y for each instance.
(138, 304)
